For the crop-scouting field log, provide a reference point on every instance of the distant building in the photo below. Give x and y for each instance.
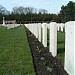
(10, 22)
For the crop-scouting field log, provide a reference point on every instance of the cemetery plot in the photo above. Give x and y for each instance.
(59, 38)
(45, 63)
(65, 42)
(15, 55)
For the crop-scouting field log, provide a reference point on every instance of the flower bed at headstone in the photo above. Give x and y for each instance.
(44, 62)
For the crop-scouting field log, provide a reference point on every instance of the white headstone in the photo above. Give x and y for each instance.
(44, 34)
(69, 65)
(31, 28)
(8, 26)
(58, 27)
(53, 38)
(36, 30)
(39, 32)
(48, 26)
(62, 27)
(26, 25)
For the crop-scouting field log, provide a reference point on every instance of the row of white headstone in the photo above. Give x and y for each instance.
(9, 26)
(40, 31)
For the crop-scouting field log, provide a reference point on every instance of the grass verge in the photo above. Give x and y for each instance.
(15, 54)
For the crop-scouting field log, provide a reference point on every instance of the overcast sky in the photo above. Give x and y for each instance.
(52, 6)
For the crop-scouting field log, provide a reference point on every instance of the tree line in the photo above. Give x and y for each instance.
(30, 14)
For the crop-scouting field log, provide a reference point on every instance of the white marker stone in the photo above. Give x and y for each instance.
(8, 26)
(48, 26)
(58, 27)
(53, 38)
(44, 34)
(62, 27)
(27, 25)
(36, 30)
(69, 65)
(39, 32)
(31, 28)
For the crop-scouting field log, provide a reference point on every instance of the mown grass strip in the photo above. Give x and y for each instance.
(15, 54)
(61, 46)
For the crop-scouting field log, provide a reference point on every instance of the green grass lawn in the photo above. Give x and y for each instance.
(15, 54)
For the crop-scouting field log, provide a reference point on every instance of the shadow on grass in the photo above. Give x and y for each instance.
(60, 50)
(60, 55)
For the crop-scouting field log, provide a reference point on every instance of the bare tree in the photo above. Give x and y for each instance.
(24, 10)
(43, 11)
(18, 10)
(3, 10)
